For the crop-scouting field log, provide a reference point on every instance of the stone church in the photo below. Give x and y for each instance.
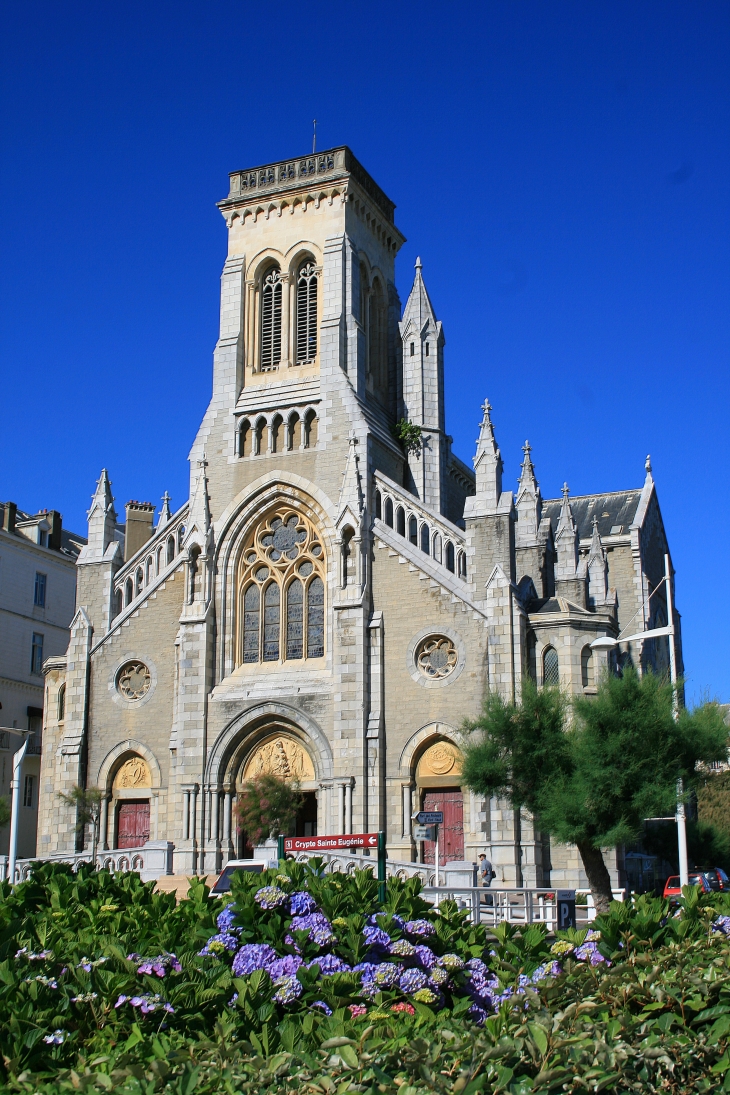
(336, 595)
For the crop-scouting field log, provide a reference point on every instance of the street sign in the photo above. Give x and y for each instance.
(430, 817)
(330, 843)
(424, 832)
(566, 909)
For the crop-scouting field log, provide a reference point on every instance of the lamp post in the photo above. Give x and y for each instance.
(606, 643)
(18, 758)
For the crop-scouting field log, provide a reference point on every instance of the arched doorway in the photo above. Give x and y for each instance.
(438, 787)
(282, 755)
(131, 793)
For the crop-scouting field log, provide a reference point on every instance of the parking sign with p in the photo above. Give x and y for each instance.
(566, 909)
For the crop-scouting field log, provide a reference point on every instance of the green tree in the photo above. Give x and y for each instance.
(87, 801)
(590, 780)
(4, 812)
(268, 807)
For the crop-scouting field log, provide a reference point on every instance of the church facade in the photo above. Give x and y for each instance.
(336, 596)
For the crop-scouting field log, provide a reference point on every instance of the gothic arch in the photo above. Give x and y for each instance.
(420, 741)
(111, 762)
(248, 729)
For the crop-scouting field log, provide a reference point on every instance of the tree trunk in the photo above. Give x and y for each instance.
(599, 879)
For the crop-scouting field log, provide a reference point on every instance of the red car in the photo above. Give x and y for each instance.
(672, 887)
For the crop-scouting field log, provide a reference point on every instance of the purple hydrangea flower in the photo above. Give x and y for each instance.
(322, 1006)
(412, 980)
(253, 956)
(374, 920)
(478, 1014)
(475, 965)
(425, 956)
(402, 948)
(301, 903)
(589, 952)
(270, 897)
(367, 969)
(369, 989)
(387, 974)
(329, 964)
(232, 1002)
(438, 977)
(283, 967)
(548, 969)
(217, 944)
(226, 920)
(160, 964)
(420, 927)
(376, 937)
(288, 989)
(55, 1039)
(318, 926)
(720, 924)
(451, 962)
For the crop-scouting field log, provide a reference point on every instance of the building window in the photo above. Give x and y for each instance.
(389, 512)
(413, 530)
(42, 538)
(413, 349)
(271, 320)
(36, 653)
(426, 349)
(378, 506)
(550, 667)
(425, 538)
(62, 703)
(450, 556)
(39, 592)
(306, 313)
(586, 667)
(28, 791)
(283, 566)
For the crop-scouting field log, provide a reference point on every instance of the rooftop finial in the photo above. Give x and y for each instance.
(419, 264)
(314, 137)
(647, 464)
(486, 407)
(527, 448)
(566, 490)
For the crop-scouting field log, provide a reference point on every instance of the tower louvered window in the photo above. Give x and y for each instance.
(306, 313)
(271, 320)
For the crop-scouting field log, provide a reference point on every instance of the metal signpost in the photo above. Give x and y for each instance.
(566, 909)
(430, 820)
(337, 843)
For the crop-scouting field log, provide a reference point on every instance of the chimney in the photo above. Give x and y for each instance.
(139, 527)
(54, 536)
(9, 511)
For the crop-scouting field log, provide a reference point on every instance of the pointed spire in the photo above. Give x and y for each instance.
(419, 310)
(165, 513)
(566, 540)
(488, 462)
(647, 466)
(102, 518)
(529, 500)
(596, 547)
(200, 502)
(351, 497)
(597, 569)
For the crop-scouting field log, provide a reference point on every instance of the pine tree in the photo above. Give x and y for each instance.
(592, 778)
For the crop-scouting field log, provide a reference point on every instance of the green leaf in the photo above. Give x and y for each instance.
(348, 1055)
(539, 1037)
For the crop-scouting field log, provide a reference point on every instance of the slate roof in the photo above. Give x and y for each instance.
(614, 511)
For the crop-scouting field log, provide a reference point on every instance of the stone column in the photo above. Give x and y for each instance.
(227, 814)
(348, 805)
(104, 824)
(341, 795)
(407, 792)
(186, 813)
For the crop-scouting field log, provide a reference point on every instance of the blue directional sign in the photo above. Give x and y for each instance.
(430, 817)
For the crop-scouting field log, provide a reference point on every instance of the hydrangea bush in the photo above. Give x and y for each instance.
(93, 966)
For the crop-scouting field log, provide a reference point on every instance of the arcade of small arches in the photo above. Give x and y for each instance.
(162, 555)
(294, 431)
(416, 529)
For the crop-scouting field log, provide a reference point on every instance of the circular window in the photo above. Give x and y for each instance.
(133, 680)
(436, 657)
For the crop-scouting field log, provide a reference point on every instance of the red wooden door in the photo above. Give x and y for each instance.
(451, 833)
(133, 824)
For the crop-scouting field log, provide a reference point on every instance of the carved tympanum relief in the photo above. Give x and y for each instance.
(440, 759)
(280, 756)
(132, 774)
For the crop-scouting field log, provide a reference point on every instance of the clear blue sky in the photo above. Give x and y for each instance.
(562, 169)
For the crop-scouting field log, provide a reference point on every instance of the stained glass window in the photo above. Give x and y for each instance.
(272, 623)
(315, 618)
(251, 614)
(295, 620)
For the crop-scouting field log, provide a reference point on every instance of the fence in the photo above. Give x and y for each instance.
(152, 860)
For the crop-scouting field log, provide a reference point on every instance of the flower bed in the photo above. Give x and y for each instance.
(300, 978)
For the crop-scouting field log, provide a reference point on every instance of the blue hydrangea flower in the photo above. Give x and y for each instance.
(329, 964)
(318, 926)
(376, 937)
(451, 962)
(374, 921)
(253, 956)
(322, 1006)
(226, 920)
(402, 948)
(438, 976)
(475, 965)
(217, 944)
(367, 969)
(478, 1014)
(283, 967)
(412, 980)
(270, 897)
(288, 989)
(425, 956)
(589, 952)
(387, 974)
(722, 924)
(420, 927)
(55, 1039)
(369, 989)
(301, 903)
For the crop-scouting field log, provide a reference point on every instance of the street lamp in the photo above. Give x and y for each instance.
(18, 758)
(605, 643)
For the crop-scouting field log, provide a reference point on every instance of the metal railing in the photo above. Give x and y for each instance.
(152, 860)
(516, 906)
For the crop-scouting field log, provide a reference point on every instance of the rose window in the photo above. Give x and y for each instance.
(281, 591)
(436, 657)
(133, 680)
